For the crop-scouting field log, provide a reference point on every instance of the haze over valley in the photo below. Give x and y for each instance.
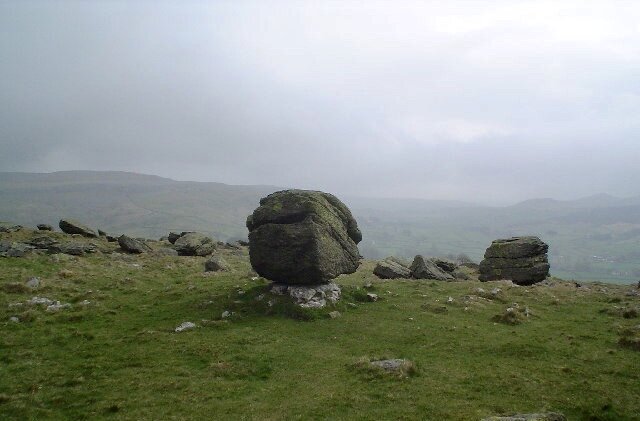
(594, 238)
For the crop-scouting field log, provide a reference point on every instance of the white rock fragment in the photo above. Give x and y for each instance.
(14, 319)
(226, 314)
(450, 300)
(33, 282)
(57, 306)
(185, 326)
(40, 301)
(372, 297)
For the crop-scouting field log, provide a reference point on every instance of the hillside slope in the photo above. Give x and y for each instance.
(592, 238)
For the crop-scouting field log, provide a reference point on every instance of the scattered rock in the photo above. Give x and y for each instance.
(14, 249)
(372, 297)
(445, 265)
(44, 227)
(392, 268)
(549, 416)
(69, 226)
(185, 326)
(522, 260)
(195, 244)
(132, 245)
(303, 237)
(57, 306)
(33, 283)
(334, 314)
(166, 251)
(44, 243)
(40, 301)
(5, 227)
(172, 237)
(389, 365)
(226, 314)
(74, 249)
(422, 268)
(14, 319)
(310, 296)
(65, 273)
(215, 264)
(511, 316)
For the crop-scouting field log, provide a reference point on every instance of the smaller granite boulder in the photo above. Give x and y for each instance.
(216, 264)
(69, 226)
(172, 237)
(44, 227)
(422, 268)
(195, 244)
(132, 245)
(522, 260)
(445, 265)
(392, 268)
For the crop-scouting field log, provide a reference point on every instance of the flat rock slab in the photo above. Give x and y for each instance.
(70, 226)
(392, 268)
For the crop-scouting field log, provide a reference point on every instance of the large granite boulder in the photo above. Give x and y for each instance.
(132, 245)
(303, 237)
(69, 226)
(522, 260)
(422, 268)
(392, 268)
(194, 244)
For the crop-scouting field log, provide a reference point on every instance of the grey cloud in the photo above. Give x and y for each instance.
(481, 101)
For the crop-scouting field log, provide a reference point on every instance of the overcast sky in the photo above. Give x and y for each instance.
(487, 101)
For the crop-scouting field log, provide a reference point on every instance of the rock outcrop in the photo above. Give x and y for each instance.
(69, 226)
(216, 264)
(132, 245)
(303, 237)
(422, 268)
(392, 268)
(44, 227)
(194, 244)
(522, 260)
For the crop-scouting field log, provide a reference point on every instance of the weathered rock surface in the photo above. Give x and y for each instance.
(44, 242)
(392, 268)
(195, 244)
(44, 227)
(172, 237)
(74, 249)
(549, 416)
(522, 260)
(444, 264)
(303, 237)
(132, 245)
(310, 296)
(6, 227)
(215, 264)
(73, 227)
(14, 249)
(422, 268)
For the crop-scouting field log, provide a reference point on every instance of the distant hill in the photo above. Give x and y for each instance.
(142, 205)
(592, 238)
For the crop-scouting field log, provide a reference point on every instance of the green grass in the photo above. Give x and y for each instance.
(119, 358)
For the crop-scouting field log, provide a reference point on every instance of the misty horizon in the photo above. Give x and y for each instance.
(481, 102)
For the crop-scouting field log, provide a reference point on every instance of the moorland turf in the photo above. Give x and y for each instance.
(118, 357)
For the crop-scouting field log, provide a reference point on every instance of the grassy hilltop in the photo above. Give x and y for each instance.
(595, 238)
(114, 353)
